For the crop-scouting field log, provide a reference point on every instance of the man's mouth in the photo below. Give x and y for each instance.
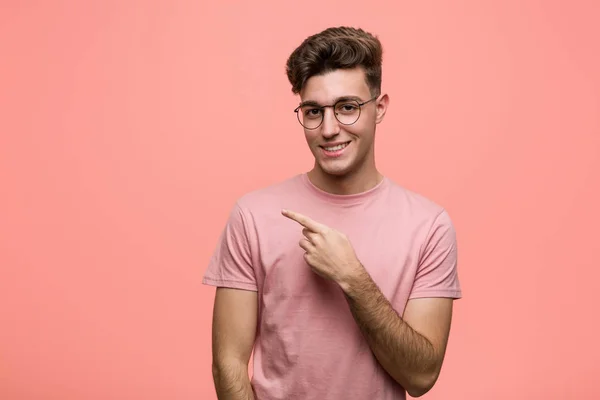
(337, 147)
(334, 150)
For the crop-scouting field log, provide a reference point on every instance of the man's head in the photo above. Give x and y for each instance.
(339, 67)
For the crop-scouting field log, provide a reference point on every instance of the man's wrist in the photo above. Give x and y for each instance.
(354, 280)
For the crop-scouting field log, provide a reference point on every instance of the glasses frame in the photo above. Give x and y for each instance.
(322, 108)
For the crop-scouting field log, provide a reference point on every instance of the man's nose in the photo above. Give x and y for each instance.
(331, 126)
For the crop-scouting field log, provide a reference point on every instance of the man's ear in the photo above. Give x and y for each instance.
(382, 104)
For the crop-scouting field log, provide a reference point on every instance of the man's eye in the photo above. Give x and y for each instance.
(347, 108)
(312, 112)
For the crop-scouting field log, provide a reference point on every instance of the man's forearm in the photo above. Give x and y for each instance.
(407, 356)
(232, 381)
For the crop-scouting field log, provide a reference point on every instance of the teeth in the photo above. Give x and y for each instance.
(336, 148)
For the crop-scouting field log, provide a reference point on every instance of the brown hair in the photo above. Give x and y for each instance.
(336, 48)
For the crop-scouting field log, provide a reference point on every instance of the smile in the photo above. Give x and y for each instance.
(336, 148)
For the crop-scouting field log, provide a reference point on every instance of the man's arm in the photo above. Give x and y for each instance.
(233, 335)
(410, 348)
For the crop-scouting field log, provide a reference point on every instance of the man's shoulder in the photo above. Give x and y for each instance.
(415, 201)
(270, 195)
(420, 213)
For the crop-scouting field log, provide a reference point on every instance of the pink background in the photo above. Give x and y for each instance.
(128, 129)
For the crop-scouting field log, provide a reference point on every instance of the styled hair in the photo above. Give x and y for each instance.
(336, 48)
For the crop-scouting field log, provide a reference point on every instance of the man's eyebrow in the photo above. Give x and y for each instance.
(342, 98)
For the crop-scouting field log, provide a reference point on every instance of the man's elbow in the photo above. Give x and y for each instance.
(418, 391)
(422, 385)
(228, 368)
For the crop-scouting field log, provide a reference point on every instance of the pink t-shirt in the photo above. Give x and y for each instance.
(308, 345)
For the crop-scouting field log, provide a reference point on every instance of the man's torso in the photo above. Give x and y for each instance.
(308, 345)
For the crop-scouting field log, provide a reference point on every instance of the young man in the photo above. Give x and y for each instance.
(340, 280)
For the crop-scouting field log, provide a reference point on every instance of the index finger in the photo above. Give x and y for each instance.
(303, 220)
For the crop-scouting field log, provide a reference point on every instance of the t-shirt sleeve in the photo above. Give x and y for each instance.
(437, 274)
(231, 262)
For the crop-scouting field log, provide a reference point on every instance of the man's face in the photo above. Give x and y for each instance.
(341, 149)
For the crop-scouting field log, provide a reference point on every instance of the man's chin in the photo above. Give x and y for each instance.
(335, 170)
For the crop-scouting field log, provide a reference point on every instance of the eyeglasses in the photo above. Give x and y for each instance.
(346, 111)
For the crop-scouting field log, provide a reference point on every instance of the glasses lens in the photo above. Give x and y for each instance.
(347, 112)
(310, 116)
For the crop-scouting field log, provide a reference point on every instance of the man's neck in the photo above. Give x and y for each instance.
(347, 184)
